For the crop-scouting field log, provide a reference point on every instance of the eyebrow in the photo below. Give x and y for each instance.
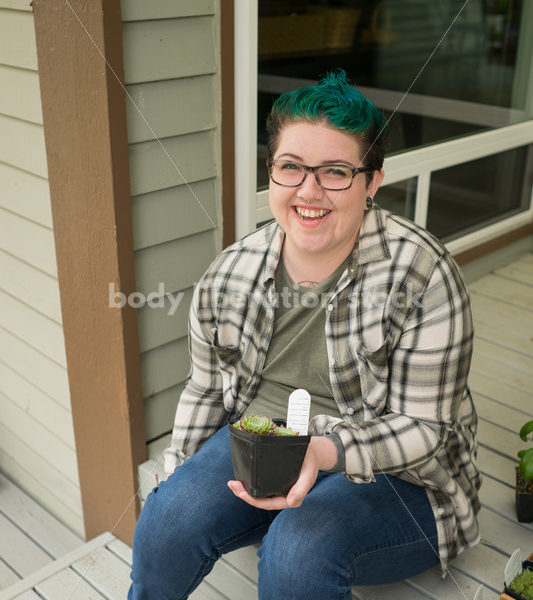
(337, 161)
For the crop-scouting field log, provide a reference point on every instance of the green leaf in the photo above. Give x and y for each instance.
(526, 465)
(527, 428)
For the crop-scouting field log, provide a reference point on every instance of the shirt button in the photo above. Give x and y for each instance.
(350, 411)
(330, 307)
(440, 512)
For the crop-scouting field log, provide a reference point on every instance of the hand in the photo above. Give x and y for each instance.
(321, 454)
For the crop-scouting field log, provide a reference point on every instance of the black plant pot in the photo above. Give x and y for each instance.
(524, 500)
(267, 465)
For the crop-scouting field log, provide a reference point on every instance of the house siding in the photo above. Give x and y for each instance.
(37, 447)
(171, 65)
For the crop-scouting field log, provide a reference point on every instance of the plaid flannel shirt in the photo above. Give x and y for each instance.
(399, 342)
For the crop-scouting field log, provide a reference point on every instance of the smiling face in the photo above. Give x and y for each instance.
(331, 233)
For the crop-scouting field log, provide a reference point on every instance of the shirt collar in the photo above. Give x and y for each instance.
(275, 244)
(372, 244)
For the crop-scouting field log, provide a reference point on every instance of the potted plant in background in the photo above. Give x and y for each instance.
(524, 479)
(266, 455)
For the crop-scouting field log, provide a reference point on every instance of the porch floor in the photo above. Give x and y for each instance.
(41, 559)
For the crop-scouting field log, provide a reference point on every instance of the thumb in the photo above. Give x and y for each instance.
(300, 489)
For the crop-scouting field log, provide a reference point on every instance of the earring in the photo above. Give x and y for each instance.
(369, 202)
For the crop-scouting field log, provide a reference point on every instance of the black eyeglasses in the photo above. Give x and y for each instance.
(330, 177)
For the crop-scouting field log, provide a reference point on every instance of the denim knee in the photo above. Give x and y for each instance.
(295, 562)
(168, 554)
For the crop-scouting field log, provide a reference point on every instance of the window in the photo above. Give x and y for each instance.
(464, 107)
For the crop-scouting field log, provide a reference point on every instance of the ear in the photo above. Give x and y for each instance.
(373, 186)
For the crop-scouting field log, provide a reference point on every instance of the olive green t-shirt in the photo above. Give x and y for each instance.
(297, 355)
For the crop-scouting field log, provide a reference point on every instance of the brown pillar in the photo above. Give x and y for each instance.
(87, 153)
(227, 53)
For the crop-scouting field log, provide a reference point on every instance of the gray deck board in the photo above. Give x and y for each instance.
(67, 583)
(501, 381)
(18, 551)
(49, 533)
(7, 576)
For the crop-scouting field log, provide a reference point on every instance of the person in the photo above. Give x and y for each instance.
(370, 314)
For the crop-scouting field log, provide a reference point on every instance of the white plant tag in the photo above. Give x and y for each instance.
(513, 567)
(298, 411)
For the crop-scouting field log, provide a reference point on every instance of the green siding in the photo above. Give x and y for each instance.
(26, 195)
(20, 97)
(43, 372)
(192, 158)
(37, 405)
(22, 145)
(176, 265)
(28, 325)
(160, 410)
(17, 38)
(170, 107)
(29, 242)
(31, 286)
(159, 325)
(165, 367)
(166, 215)
(168, 49)
(173, 115)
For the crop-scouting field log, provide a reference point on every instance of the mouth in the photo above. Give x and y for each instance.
(311, 215)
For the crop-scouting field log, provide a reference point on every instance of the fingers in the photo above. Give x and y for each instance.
(273, 503)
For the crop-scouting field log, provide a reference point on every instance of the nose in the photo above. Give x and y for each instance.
(310, 189)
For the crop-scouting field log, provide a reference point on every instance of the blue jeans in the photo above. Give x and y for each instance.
(343, 534)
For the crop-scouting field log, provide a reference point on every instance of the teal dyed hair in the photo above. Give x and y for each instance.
(336, 102)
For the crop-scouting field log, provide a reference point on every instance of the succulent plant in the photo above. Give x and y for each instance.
(261, 425)
(522, 584)
(256, 424)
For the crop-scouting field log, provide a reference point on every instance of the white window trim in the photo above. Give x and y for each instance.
(246, 21)
(417, 163)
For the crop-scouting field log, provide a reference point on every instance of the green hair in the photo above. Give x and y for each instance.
(334, 100)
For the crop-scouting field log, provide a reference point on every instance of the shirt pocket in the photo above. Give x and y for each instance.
(374, 375)
(229, 360)
(228, 356)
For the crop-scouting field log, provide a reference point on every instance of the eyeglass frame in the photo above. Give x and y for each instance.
(307, 169)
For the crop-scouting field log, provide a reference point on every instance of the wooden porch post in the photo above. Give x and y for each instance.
(87, 152)
(227, 64)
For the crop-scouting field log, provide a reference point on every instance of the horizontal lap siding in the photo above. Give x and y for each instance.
(37, 448)
(172, 105)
